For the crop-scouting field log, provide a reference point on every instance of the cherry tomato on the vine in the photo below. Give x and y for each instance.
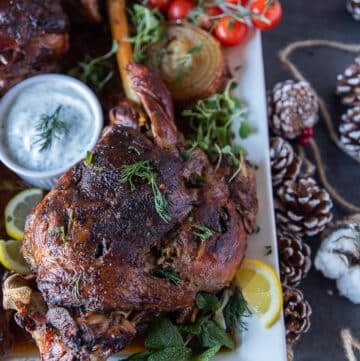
(180, 9)
(271, 9)
(238, 2)
(161, 5)
(206, 20)
(230, 32)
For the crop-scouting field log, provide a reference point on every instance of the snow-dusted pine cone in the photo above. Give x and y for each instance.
(348, 84)
(353, 7)
(292, 108)
(350, 132)
(294, 256)
(285, 164)
(302, 207)
(297, 312)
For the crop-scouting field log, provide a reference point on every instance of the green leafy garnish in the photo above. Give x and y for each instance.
(50, 127)
(212, 335)
(211, 121)
(180, 353)
(95, 72)
(245, 130)
(185, 63)
(144, 170)
(89, 157)
(59, 231)
(149, 28)
(235, 310)
(208, 354)
(202, 232)
(207, 301)
(170, 274)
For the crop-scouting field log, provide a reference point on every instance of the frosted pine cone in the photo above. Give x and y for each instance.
(302, 207)
(348, 84)
(292, 108)
(353, 7)
(297, 312)
(350, 132)
(294, 256)
(285, 164)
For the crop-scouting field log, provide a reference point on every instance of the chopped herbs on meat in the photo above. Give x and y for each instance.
(89, 158)
(145, 170)
(202, 232)
(170, 274)
(59, 231)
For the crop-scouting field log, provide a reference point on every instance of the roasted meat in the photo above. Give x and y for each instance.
(6, 338)
(118, 263)
(33, 37)
(87, 9)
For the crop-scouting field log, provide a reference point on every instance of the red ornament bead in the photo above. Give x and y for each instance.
(308, 132)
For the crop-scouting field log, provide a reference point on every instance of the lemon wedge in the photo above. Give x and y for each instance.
(11, 257)
(17, 209)
(261, 288)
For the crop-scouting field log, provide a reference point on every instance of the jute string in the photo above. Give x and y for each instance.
(284, 55)
(349, 343)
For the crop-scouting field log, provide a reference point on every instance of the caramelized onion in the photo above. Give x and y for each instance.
(190, 62)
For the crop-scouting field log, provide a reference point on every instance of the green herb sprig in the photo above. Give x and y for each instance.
(95, 72)
(149, 28)
(50, 127)
(144, 170)
(211, 121)
(59, 231)
(170, 274)
(202, 232)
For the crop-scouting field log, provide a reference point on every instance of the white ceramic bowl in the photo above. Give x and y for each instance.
(47, 178)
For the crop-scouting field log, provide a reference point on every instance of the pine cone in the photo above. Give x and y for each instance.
(348, 84)
(292, 108)
(297, 312)
(294, 256)
(302, 207)
(350, 132)
(353, 7)
(285, 164)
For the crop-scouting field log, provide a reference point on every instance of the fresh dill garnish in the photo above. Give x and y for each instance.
(89, 157)
(202, 232)
(59, 231)
(76, 287)
(50, 127)
(268, 250)
(235, 310)
(149, 28)
(95, 72)
(168, 273)
(144, 170)
(211, 121)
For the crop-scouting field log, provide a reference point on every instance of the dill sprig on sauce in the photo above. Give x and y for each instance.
(50, 127)
(144, 170)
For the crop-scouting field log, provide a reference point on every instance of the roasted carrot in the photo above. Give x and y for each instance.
(120, 33)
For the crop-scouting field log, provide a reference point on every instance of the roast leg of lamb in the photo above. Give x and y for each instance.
(119, 261)
(33, 37)
(6, 338)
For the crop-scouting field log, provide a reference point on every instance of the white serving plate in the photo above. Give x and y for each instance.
(257, 343)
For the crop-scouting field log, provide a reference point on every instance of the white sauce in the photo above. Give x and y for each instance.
(24, 116)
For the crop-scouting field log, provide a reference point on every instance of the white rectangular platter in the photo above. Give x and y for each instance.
(257, 343)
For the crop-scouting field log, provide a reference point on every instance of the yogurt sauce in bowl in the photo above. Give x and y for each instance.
(47, 124)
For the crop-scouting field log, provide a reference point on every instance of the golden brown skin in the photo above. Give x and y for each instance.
(115, 240)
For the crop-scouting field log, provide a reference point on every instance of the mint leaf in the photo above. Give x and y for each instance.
(181, 353)
(163, 334)
(192, 328)
(213, 335)
(235, 310)
(208, 354)
(245, 130)
(141, 356)
(207, 302)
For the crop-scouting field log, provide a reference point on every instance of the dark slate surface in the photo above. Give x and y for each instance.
(321, 19)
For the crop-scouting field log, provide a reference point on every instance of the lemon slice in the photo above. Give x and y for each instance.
(261, 288)
(11, 257)
(17, 209)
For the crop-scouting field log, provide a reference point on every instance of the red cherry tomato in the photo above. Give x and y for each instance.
(180, 9)
(238, 2)
(230, 32)
(271, 9)
(206, 20)
(161, 5)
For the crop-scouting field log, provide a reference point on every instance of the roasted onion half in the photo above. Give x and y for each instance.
(190, 62)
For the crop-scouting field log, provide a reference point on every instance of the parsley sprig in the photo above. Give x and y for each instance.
(202, 232)
(149, 28)
(211, 121)
(95, 72)
(144, 170)
(50, 127)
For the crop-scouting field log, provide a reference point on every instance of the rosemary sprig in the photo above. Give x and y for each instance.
(96, 72)
(50, 127)
(202, 232)
(168, 273)
(59, 231)
(149, 28)
(144, 170)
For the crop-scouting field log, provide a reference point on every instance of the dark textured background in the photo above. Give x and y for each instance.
(321, 19)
